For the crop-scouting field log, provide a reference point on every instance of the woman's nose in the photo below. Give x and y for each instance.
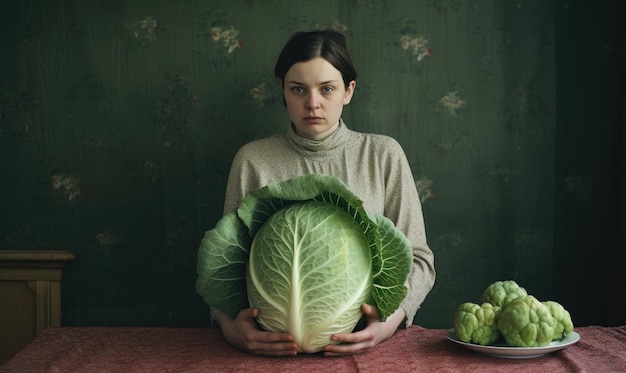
(312, 101)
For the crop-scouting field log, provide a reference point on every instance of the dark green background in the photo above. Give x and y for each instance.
(119, 120)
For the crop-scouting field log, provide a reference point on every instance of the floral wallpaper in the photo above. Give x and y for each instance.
(119, 120)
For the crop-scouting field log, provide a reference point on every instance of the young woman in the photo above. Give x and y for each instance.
(318, 80)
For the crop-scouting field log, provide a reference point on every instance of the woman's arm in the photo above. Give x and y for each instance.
(404, 208)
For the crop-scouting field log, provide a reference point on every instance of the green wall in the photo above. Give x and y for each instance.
(119, 120)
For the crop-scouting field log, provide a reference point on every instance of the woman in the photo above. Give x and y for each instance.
(318, 80)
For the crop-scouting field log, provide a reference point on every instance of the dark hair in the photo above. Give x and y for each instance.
(304, 46)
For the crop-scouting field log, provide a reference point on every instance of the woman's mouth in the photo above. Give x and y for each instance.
(313, 119)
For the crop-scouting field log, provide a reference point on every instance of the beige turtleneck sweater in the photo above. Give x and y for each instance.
(374, 167)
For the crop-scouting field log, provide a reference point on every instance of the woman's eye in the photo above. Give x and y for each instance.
(297, 89)
(328, 89)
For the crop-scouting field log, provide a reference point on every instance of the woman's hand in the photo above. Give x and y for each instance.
(243, 333)
(364, 340)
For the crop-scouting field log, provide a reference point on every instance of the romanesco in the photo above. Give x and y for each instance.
(477, 324)
(564, 323)
(526, 322)
(500, 293)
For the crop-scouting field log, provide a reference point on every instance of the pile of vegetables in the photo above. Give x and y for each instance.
(307, 255)
(507, 310)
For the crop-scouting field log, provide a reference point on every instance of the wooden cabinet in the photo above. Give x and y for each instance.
(30, 295)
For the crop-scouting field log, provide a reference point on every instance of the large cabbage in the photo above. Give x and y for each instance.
(306, 254)
(310, 261)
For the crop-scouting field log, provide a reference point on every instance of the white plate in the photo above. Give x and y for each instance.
(503, 350)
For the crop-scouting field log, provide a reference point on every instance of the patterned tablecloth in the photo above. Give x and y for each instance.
(416, 349)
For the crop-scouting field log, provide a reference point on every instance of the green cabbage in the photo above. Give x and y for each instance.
(307, 254)
(310, 261)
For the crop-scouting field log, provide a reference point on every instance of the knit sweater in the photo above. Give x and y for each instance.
(374, 167)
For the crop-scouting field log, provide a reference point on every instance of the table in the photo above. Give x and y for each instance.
(415, 349)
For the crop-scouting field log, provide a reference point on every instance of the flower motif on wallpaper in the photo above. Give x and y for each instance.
(264, 93)
(418, 46)
(228, 37)
(68, 184)
(260, 94)
(424, 188)
(142, 29)
(446, 145)
(453, 102)
(106, 239)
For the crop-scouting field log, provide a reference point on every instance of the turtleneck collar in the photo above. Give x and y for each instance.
(330, 142)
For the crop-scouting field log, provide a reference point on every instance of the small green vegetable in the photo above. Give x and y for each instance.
(526, 322)
(500, 293)
(564, 323)
(477, 324)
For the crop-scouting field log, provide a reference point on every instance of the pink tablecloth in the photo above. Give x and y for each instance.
(74, 349)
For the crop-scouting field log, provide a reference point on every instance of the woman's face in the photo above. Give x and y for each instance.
(315, 95)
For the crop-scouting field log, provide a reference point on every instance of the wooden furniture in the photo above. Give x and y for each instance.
(189, 350)
(30, 295)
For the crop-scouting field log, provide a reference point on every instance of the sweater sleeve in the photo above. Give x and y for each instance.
(403, 207)
(241, 179)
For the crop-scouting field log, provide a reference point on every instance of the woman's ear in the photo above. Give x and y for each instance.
(349, 92)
